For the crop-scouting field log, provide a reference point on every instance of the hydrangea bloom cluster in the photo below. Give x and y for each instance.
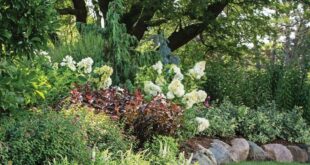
(177, 71)
(86, 65)
(203, 124)
(198, 71)
(176, 88)
(69, 62)
(194, 97)
(104, 81)
(158, 67)
(151, 89)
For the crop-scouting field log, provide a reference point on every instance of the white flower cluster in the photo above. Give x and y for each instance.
(203, 124)
(151, 89)
(194, 97)
(176, 88)
(158, 67)
(69, 62)
(86, 65)
(104, 80)
(198, 70)
(178, 74)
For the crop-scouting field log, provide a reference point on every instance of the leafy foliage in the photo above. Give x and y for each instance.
(102, 133)
(118, 50)
(34, 138)
(22, 83)
(288, 86)
(88, 44)
(263, 124)
(223, 122)
(25, 26)
(163, 149)
(159, 116)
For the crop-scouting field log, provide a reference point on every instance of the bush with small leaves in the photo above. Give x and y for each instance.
(36, 138)
(102, 133)
(223, 120)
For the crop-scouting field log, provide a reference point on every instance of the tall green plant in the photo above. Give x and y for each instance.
(118, 49)
(88, 44)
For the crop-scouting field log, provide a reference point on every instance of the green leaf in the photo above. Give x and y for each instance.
(41, 94)
(7, 34)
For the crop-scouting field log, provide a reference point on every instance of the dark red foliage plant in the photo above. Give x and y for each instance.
(145, 118)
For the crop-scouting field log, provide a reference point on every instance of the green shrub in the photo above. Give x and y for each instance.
(286, 85)
(25, 25)
(165, 150)
(262, 125)
(223, 120)
(34, 82)
(188, 127)
(295, 128)
(22, 83)
(88, 44)
(36, 138)
(157, 144)
(102, 133)
(106, 158)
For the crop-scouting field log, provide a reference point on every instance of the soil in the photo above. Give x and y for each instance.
(191, 145)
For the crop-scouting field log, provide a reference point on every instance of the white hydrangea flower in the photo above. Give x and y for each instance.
(202, 95)
(170, 95)
(178, 74)
(198, 70)
(176, 88)
(69, 62)
(55, 65)
(106, 83)
(190, 99)
(203, 124)
(194, 97)
(158, 67)
(151, 89)
(44, 53)
(86, 64)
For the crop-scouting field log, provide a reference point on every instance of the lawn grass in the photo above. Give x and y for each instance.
(267, 163)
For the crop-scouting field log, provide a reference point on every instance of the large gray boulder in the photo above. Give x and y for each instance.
(239, 149)
(204, 157)
(307, 149)
(299, 155)
(256, 153)
(221, 152)
(278, 152)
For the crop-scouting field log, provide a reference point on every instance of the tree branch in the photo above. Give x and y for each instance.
(104, 6)
(136, 20)
(81, 10)
(186, 34)
(66, 11)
